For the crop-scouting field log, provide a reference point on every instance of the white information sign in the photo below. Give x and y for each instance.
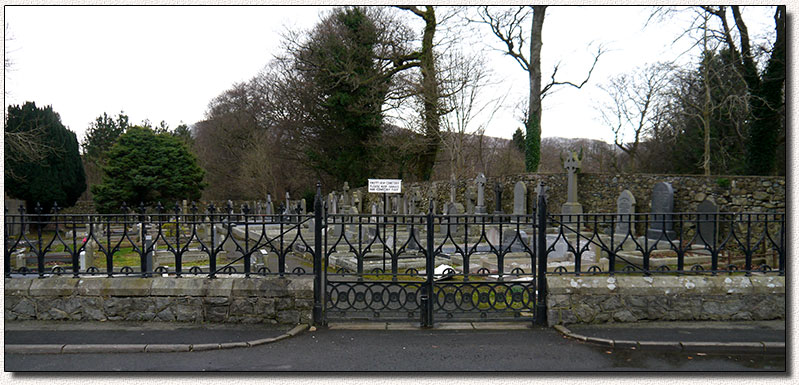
(385, 186)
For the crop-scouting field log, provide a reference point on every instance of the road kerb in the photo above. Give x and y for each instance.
(167, 348)
(33, 349)
(686, 347)
(145, 348)
(103, 348)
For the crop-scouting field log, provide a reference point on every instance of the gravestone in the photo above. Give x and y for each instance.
(707, 223)
(452, 183)
(414, 200)
(480, 181)
(356, 200)
(520, 198)
(660, 223)
(345, 197)
(497, 198)
(470, 197)
(572, 166)
(270, 207)
(333, 203)
(625, 206)
(540, 189)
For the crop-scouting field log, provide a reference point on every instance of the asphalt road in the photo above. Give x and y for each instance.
(331, 350)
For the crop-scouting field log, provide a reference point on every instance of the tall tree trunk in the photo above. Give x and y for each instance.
(430, 96)
(533, 134)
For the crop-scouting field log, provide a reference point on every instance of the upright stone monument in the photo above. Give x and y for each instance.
(707, 222)
(520, 198)
(625, 207)
(345, 197)
(269, 207)
(412, 204)
(332, 203)
(660, 223)
(470, 197)
(356, 201)
(540, 188)
(480, 181)
(572, 166)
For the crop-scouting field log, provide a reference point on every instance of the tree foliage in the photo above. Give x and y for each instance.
(339, 61)
(145, 167)
(102, 134)
(57, 176)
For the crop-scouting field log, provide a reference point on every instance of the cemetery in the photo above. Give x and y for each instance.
(484, 259)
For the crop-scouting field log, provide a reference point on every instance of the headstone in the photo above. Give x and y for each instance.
(625, 207)
(345, 196)
(572, 166)
(662, 208)
(412, 204)
(540, 188)
(707, 224)
(303, 206)
(480, 181)
(356, 200)
(470, 197)
(270, 207)
(333, 207)
(520, 198)
(455, 224)
(452, 183)
(394, 205)
(497, 198)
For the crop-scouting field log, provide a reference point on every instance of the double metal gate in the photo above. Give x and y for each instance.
(433, 268)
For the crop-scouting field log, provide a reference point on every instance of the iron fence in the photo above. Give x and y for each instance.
(675, 243)
(395, 266)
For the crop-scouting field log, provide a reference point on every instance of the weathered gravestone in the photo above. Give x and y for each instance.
(520, 198)
(707, 223)
(470, 197)
(660, 223)
(269, 208)
(480, 181)
(572, 166)
(625, 207)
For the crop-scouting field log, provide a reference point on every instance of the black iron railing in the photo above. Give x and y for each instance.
(676, 243)
(391, 264)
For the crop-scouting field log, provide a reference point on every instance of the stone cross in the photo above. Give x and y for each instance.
(520, 198)
(662, 208)
(625, 206)
(288, 204)
(707, 222)
(480, 181)
(346, 196)
(572, 166)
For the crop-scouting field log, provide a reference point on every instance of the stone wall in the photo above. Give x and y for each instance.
(188, 299)
(628, 299)
(598, 192)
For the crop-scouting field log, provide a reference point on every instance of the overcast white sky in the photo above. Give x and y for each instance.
(167, 62)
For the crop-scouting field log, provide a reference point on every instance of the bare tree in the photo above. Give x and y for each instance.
(509, 26)
(635, 106)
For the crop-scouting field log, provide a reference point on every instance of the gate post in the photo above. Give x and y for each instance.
(317, 257)
(427, 290)
(541, 277)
